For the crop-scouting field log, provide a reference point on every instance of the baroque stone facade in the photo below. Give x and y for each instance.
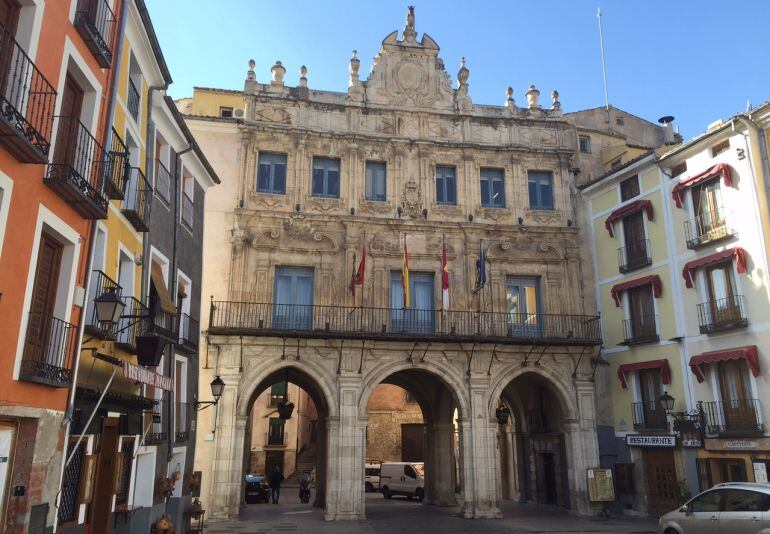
(526, 341)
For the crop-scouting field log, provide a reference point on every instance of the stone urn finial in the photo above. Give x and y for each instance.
(463, 73)
(355, 64)
(532, 96)
(250, 74)
(555, 100)
(303, 76)
(278, 71)
(509, 101)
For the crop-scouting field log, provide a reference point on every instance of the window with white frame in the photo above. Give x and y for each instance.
(188, 206)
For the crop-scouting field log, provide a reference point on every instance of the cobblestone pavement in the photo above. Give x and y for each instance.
(401, 515)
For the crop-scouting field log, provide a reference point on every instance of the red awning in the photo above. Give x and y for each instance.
(628, 209)
(654, 279)
(748, 353)
(665, 372)
(719, 169)
(690, 266)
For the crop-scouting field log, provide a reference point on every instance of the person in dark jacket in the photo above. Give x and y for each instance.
(275, 484)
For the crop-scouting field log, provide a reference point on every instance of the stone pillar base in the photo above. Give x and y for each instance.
(344, 516)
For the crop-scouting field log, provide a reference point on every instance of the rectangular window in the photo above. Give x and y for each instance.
(706, 201)
(375, 181)
(585, 144)
(642, 314)
(720, 147)
(616, 163)
(277, 392)
(446, 185)
(492, 188)
(271, 173)
(677, 170)
(418, 318)
(651, 388)
(523, 302)
(293, 298)
(629, 188)
(275, 434)
(540, 190)
(326, 177)
(226, 112)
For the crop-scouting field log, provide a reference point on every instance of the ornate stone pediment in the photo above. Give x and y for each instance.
(411, 200)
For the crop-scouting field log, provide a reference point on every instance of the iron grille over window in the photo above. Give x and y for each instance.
(68, 505)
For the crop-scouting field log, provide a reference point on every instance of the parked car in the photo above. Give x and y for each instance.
(257, 489)
(732, 507)
(372, 477)
(403, 478)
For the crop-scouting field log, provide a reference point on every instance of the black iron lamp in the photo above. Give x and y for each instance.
(502, 413)
(109, 308)
(285, 408)
(217, 387)
(667, 402)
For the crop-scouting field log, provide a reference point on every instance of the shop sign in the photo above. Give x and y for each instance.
(600, 487)
(693, 443)
(651, 441)
(759, 444)
(145, 376)
(740, 444)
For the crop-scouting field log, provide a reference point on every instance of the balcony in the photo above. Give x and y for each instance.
(132, 102)
(537, 422)
(708, 227)
(634, 255)
(162, 182)
(95, 22)
(649, 416)
(722, 314)
(187, 211)
(736, 417)
(100, 284)
(136, 204)
(641, 329)
(347, 322)
(27, 103)
(275, 439)
(162, 323)
(79, 169)
(115, 185)
(48, 349)
(182, 421)
(130, 324)
(153, 425)
(189, 330)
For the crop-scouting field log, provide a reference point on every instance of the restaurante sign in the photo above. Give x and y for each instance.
(145, 376)
(651, 441)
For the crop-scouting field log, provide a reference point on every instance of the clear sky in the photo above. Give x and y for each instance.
(698, 60)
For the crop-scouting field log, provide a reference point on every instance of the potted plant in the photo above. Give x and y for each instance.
(163, 525)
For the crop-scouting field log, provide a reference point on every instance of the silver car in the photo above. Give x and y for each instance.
(730, 508)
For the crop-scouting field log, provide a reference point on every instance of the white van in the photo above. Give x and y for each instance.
(403, 478)
(372, 477)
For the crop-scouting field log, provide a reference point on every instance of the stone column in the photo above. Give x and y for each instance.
(510, 464)
(322, 465)
(226, 468)
(440, 465)
(582, 446)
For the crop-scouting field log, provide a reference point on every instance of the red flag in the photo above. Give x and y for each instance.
(405, 278)
(357, 279)
(444, 279)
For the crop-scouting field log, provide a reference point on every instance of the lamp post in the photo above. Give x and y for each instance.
(217, 387)
(502, 413)
(667, 402)
(109, 308)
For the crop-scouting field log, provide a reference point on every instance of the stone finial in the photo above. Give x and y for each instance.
(555, 99)
(303, 76)
(509, 101)
(250, 74)
(355, 64)
(532, 96)
(463, 73)
(278, 71)
(410, 34)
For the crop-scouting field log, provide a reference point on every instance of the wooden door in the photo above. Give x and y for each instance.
(69, 117)
(633, 234)
(412, 443)
(722, 302)
(642, 312)
(737, 405)
(706, 203)
(651, 389)
(101, 508)
(43, 298)
(9, 15)
(662, 486)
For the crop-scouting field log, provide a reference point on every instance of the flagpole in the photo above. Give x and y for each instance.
(363, 283)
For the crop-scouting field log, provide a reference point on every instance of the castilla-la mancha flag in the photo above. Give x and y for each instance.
(357, 278)
(405, 278)
(444, 280)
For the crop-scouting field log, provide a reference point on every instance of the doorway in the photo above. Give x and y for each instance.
(412, 443)
(549, 477)
(273, 459)
(105, 476)
(662, 486)
(7, 434)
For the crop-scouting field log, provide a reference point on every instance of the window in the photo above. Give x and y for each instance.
(409, 471)
(275, 434)
(326, 177)
(540, 190)
(585, 144)
(738, 500)
(720, 283)
(271, 173)
(293, 299)
(707, 502)
(6, 184)
(523, 303)
(133, 99)
(629, 188)
(187, 214)
(641, 326)
(446, 192)
(651, 388)
(492, 188)
(706, 202)
(616, 164)
(619, 121)
(375, 181)
(225, 112)
(418, 318)
(635, 253)
(678, 170)
(720, 147)
(277, 392)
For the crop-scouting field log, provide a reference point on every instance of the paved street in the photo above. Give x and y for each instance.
(401, 515)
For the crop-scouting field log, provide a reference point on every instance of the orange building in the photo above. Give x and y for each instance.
(56, 68)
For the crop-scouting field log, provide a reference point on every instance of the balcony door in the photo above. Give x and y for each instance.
(738, 407)
(523, 301)
(633, 234)
(651, 388)
(276, 432)
(723, 303)
(43, 298)
(418, 318)
(706, 201)
(69, 117)
(293, 298)
(9, 15)
(642, 313)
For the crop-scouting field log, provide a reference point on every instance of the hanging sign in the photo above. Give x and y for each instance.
(600, 487)
(145, 376)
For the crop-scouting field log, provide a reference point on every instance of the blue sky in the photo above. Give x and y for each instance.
(696, 60)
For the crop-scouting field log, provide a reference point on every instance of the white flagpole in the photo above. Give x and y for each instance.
(604, 67)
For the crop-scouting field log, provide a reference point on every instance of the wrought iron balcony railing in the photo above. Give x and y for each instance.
(182, 422)
(634, 255)
(537, 422)
(708, 227)
(347, 322)
(27, 102)
(640, 329)
(49, 347)
(734, 416)
(161, 322)
(189, 331)
(162, 182)
(137, 202)
(115, 185)
(187, 211)
(153, 425)
(132, 102)
(722, 314)
(649, 415)
(100, 284)
(79, 169)
(131, 323)
(95, 22)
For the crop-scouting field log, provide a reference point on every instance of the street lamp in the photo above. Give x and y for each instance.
(109, 308)
(667, 402)
(217, 387)
(502, 413)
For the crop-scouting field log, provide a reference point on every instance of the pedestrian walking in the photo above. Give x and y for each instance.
(275, 484)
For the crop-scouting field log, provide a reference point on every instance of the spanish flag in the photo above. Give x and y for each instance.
(405, 277)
